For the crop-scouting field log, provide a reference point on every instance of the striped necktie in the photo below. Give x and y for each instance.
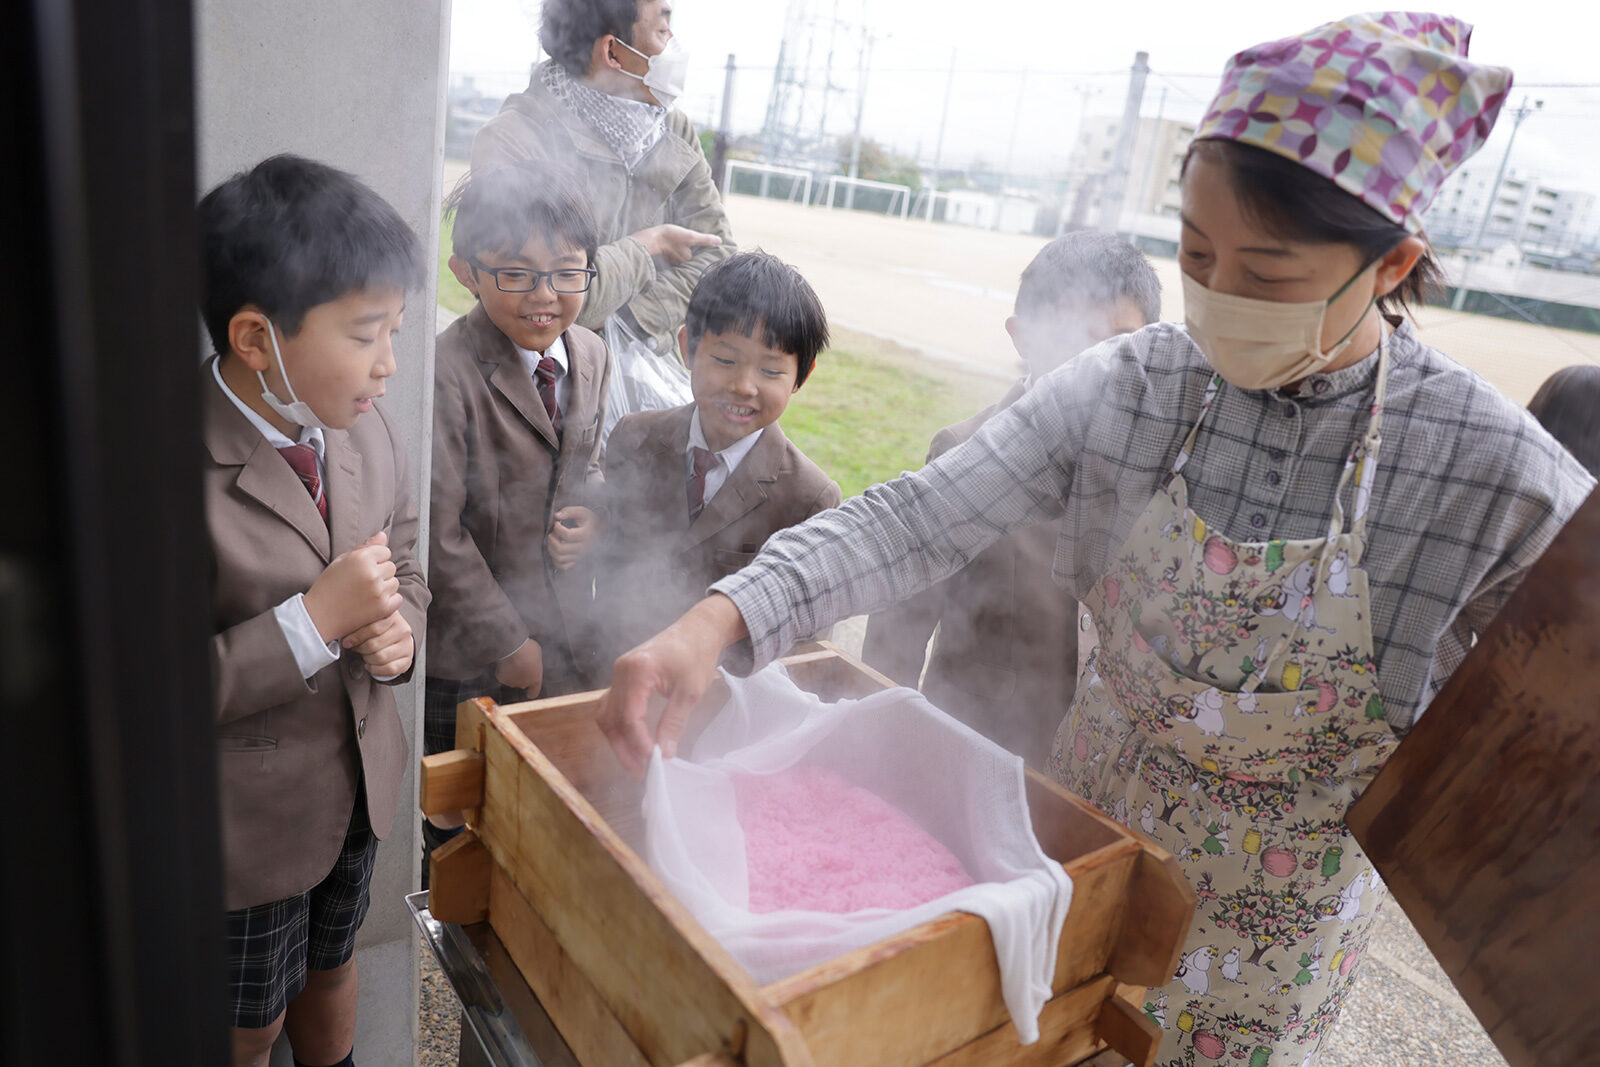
(303, 458)
(546, 373)
(704, 459)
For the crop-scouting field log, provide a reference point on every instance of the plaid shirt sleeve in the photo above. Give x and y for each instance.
(903, 536)
(1468, 493)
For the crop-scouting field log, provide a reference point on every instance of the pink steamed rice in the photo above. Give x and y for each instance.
(815, 842)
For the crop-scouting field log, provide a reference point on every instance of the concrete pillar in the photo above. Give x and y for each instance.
(360, 87)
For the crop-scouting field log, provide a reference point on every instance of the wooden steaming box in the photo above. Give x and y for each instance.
(630, 978)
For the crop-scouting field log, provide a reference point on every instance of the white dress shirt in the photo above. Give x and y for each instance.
(728, 459)
(311, 652)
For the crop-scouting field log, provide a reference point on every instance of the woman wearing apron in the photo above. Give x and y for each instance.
(1288, 520)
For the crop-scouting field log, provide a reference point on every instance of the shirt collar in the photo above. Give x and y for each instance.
(309, 435)
(734, 454)
(557, 351)
(1358, 376)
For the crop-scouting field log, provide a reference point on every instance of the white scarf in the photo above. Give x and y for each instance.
(630, 127)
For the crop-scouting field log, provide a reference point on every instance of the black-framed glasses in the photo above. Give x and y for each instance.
(524, 280)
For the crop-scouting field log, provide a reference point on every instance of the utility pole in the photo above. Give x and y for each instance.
(1522, 112)
(1150, 151)
(944, 115)
(1079, 197)
(1016, 121)
(862, 67)
(1117, 180)
(719, 155)
(1011, 148)
(938, 147)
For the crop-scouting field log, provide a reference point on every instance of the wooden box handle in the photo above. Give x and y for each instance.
(451, 782)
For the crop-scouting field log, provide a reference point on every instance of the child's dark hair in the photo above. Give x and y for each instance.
(568, 29)
(761, 296)
(1297, 204)
(1567, 405)
(1089, 269)
(499, 208)
(292, 233)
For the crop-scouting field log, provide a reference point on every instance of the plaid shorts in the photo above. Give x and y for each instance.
(439, 699)
(271, 946)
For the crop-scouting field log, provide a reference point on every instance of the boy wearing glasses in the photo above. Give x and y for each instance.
(519, 395)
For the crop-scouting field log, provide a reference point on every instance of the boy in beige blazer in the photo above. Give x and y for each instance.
(518, 402)
(317, 597)
(1004, 655)
(695, 491)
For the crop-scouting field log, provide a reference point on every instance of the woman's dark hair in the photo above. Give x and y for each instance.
(760, 296)
(569, 29)
(1568, 406)
(1297, 204)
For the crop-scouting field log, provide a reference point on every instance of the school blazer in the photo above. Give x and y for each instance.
(499, 474)
(292, 751)
(1005, 658)
(657, 564)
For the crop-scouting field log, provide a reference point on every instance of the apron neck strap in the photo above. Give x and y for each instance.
(1361, 464)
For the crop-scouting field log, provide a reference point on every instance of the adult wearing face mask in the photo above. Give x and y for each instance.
(1288, 518)
(602, 105)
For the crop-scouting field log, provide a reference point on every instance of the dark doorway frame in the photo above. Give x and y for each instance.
(112, 895)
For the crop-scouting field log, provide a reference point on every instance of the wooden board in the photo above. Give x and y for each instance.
(675, 991)
(1485, 823)
(628, 975)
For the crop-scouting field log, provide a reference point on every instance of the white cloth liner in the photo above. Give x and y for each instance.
(953, 782)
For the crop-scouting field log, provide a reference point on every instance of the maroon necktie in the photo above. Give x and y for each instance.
(704, 459)
(546, 373)
(303, 458)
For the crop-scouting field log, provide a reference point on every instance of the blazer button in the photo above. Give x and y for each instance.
(1085, 622)
(361, 728)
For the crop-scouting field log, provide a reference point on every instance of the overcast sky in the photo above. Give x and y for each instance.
(1076, 57)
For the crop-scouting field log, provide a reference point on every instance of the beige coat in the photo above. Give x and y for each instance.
(499, 475)
(292, 751)
(1005, 659)
(672, 183)
(657, 564)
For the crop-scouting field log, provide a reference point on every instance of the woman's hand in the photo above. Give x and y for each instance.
(679, 664)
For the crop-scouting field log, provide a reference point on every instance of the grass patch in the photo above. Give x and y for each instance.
(452, 294)
(870, 408)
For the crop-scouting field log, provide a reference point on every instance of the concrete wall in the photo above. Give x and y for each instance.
(360, 86)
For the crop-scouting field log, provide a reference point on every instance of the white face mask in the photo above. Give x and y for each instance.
(296, 410)
(1261, 344)
(665, 73)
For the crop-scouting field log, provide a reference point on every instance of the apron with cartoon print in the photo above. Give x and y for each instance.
(1232, 713)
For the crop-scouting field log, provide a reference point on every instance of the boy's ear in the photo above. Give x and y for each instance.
(683, 345)
(1011, 328)
(248, 339)
(463, 272)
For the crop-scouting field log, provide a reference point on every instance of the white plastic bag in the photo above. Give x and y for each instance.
(641, 379)
(961, 788)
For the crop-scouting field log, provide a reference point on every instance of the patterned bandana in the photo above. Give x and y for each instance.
(630, 127)
(1384, 105)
